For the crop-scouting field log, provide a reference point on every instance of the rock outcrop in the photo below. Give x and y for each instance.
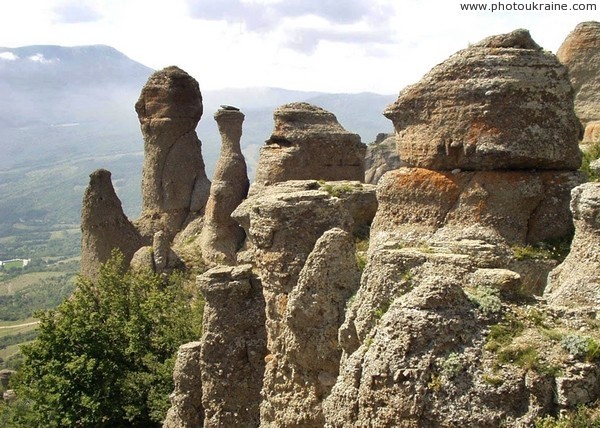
(580, 52)
(576, 281)
(592, 133)
(174, 184)
(221, 235)
(233, 346)
(382, 156)
(186, 400)
(308, 143)
(158, 258)
(503, 103)
(104, 226)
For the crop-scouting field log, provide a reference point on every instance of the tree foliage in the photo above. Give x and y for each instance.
(105, 356)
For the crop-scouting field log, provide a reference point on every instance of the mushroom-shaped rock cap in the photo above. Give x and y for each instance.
(503, 103)
(170, 93)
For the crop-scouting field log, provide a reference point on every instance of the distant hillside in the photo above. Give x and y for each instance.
(66, 111)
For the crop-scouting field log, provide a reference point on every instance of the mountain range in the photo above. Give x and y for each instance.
(66, 111)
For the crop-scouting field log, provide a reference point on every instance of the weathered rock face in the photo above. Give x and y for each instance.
(186, 400)
(382, 156)
(174, 184)
(503, 103)
(304, 360)
(104, 226)
(521, 207)
(580, 52)
(309, 143)
(158, 258)
(592, 133)
(233, 346)
(221, 235)
(576, 282)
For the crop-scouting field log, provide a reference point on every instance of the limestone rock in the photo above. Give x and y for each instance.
(576, 281)
(221, 235)
(519, 206)
(104, 226)
(304, 359)
(503, 103)
(592, 133)
(580, 52)
(308, 143)
(233, 346)
(595, 167)
(382, 156)
(158, 258)
(186, 400)
(174, 184)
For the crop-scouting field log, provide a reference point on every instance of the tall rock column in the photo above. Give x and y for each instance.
(174, 183)
(221, 235)
(104, 226)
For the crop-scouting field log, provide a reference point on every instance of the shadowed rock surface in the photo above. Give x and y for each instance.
(104, 226)
(382, 156)
(503, 103)
(174, 184)
(308, 143)
(233, 346)
(580, 52)
(576, 281)
(186, 399)
(221, 235)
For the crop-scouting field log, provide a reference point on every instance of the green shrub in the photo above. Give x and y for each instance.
(452, 365)
(582, 347)
(487, 299)
(590, 155)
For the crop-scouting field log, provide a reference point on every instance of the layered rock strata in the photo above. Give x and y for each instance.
(580, 52)
(174, 183)
(221, 236)
(308, 143)
(233, 346)
(104, 226)
(576, 281)
(186, 400)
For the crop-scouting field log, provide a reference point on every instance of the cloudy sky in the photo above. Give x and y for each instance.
(323, 45)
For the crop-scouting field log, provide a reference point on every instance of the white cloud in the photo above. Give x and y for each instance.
(40, 58)
(8, 56)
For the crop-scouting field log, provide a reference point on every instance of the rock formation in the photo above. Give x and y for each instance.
(174, 184)
(381, 157)
(221, 235)
(580, 52)
(186, 401)
(104, 226)
(469, 112)
(158, 258)
(592, 133)
(308, 143)
(576, 282)
(233, 346)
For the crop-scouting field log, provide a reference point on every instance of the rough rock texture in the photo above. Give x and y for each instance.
(580, 52)
(308, 143)
(576, 281)
(104, 226)
(233, 346)
(519, 206)
(186, 399)
(174, 184)
(158, 258)
(282, 225)
(382, 156)
(304, 360)
(592, 133)
(221, 235)
(503, 103)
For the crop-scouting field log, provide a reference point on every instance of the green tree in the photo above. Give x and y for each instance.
(105, 356)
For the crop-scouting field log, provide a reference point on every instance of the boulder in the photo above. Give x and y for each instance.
(174, 183)
(576, 281)
(104, 226)
(502, 103)
(221, 236)
(592, 133)
(580, 52)
(308, 143)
